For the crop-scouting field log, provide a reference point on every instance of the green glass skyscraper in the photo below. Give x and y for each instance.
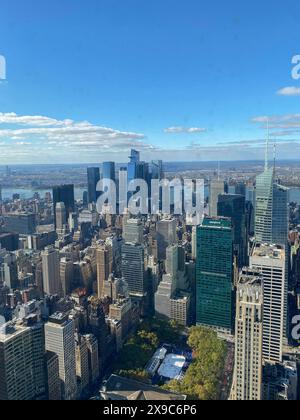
(214, 274)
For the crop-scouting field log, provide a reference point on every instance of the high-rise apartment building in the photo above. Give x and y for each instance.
(16, 363)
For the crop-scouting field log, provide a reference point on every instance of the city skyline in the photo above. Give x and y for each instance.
(135, 76)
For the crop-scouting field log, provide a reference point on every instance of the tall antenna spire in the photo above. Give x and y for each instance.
(274, 155)
(267, 145)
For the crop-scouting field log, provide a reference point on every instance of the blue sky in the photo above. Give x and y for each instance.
(180, 80)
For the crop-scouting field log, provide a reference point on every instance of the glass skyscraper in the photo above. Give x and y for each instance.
(214, 274)
(109, 170)
(93, 175)
(264, 206)
(233, 206)
(271, 209)
(64, 194)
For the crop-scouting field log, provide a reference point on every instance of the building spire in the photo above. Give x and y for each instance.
(267, 145)
(274, 156)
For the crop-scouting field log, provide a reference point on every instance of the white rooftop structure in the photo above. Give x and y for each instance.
(172, 366)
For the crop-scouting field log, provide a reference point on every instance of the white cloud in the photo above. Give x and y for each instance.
(285, 125)
(289, 91)
(186, 130)
(42, 131)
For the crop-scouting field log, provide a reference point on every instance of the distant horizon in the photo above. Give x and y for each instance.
(261, 161)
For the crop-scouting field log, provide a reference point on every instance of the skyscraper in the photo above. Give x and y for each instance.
(247, 383)
(51, 274)
(280, 216)
(233, 206)
(216, 187)
(93, 175)
(104, 260)
(166, 235)
(270, 260)
(64, 194)
(133, 231)
(109, 170)
(214, 274)
(271, 207)
(134, 159)
(264, 206)
(133, 268)
(60, 216)
(59, 339)
(156, 169)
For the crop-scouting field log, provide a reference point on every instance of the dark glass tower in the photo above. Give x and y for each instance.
(93, 175)
(214, 274)
(109, 170)
(64, 194)
(234, 206)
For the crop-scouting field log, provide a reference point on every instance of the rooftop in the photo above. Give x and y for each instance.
(129, 389)
(270, 251)
(216, 222)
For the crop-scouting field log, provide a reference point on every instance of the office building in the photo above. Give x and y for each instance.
(165, 236)
(270, 260)
(133, 270)
(104, 259)
(248, 340)
(133, 231)
(93, 358)
(109, 171)
(60, 216)
(216, 187)
(233, 206)
(64, 194)
(59, 339)
(52, 375)
(66, 274)
(165, 291)
(271, 207)
(51, 271)
(214, 274)
(93, 176)
(21, 223)
(82, 363)
(9, 241)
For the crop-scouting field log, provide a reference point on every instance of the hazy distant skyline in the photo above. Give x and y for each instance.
(177, 80)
